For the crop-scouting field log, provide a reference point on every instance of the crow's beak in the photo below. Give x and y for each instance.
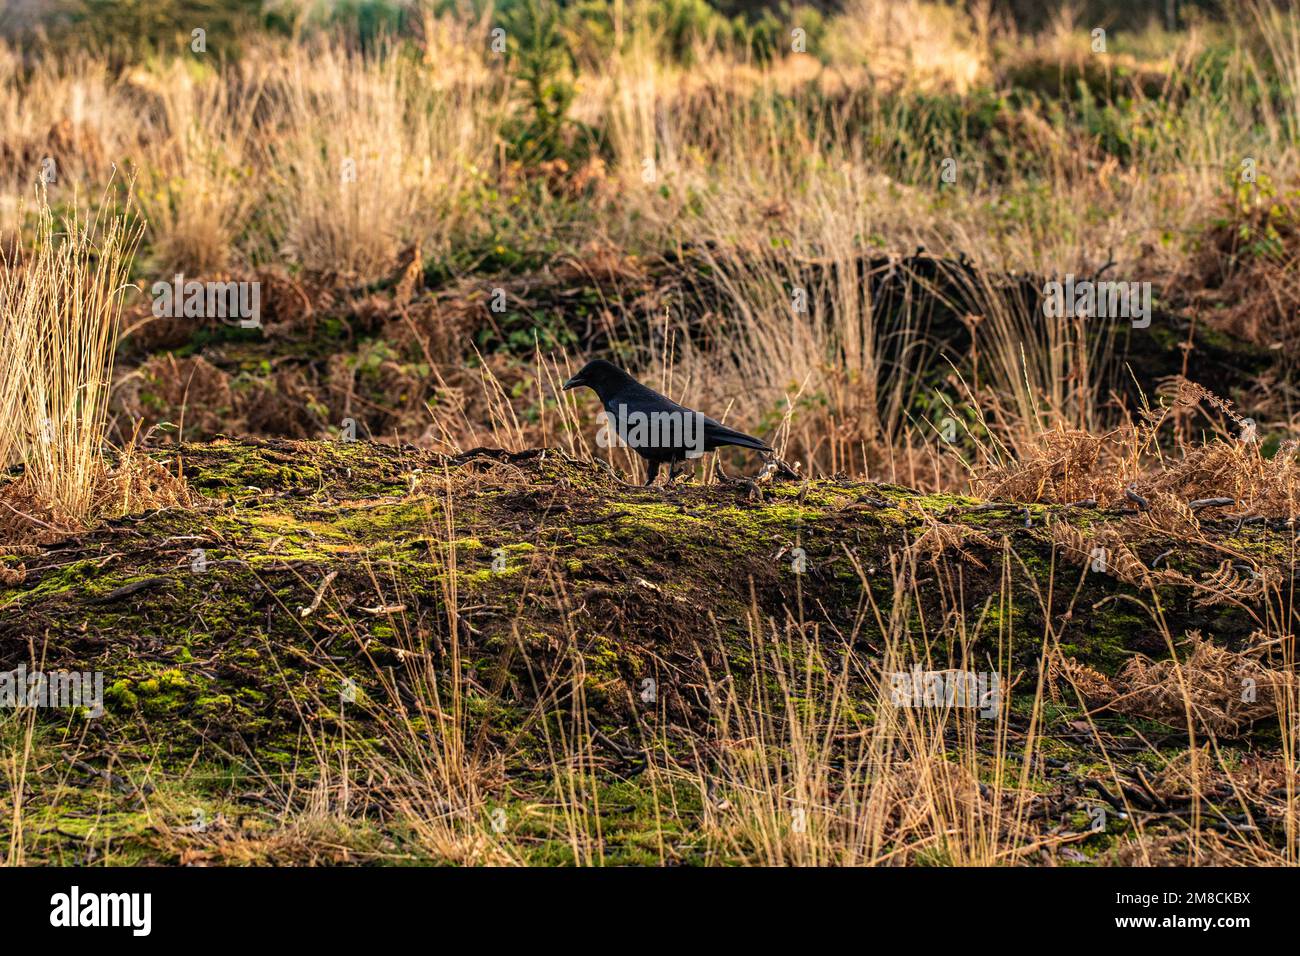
(572, 383)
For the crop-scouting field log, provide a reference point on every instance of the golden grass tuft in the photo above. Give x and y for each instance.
(60, 319)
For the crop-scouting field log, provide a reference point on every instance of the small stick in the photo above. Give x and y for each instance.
(1200, 503)
(1131, 494)
(320, 594)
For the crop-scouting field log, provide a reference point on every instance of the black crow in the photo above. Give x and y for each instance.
(658, 428)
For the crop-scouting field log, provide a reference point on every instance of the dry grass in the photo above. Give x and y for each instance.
(1111, 468)
(201, 186)
(373, 155)
(801, 779)
(62, 310)
(18, 729)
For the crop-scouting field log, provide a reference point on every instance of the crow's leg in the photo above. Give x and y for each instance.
(672, 473)
(651, 472)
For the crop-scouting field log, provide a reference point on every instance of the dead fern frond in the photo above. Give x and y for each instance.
(1223, 690)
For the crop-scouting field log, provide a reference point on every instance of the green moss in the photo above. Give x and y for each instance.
(1106, 643)
(486, 576)
(221, 665)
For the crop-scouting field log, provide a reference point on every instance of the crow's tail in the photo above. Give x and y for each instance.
(722, 435)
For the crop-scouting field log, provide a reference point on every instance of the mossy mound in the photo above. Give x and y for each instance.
(315, 576)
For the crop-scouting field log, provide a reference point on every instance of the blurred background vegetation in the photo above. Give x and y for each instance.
(713, 156)
(142, 27)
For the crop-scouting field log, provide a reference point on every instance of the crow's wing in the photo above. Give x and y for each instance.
(638, 398)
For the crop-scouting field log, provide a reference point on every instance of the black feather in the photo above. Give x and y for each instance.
(625, 399)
